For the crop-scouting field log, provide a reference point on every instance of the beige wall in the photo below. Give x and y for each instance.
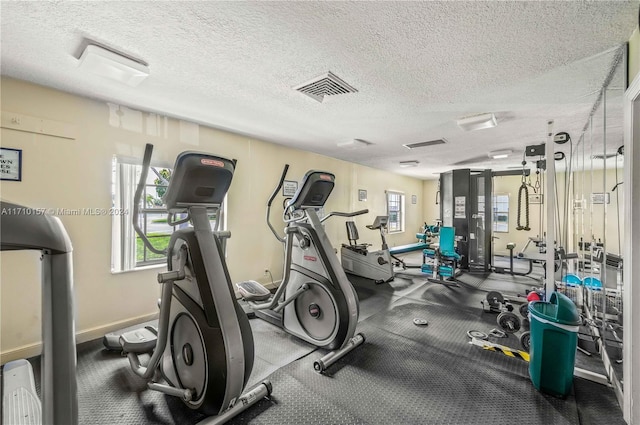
(510, 185)
(587, 222)
(429, 206)
(64, 173)
(634, 55)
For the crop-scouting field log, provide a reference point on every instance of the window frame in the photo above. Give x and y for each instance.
(495, 211)
(401, 211)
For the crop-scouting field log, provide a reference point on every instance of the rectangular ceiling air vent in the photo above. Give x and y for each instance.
(425, 144)
(328, 84)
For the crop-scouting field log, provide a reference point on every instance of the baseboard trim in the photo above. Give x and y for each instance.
(32, 350)
(275, 284)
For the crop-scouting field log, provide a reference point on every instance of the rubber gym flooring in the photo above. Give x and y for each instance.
(402, 374)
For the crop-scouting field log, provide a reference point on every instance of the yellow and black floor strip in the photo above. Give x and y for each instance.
(507, 351)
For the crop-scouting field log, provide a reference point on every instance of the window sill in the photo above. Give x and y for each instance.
(139, 269)
(395, 232)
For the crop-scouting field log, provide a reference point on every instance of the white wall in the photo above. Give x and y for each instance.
(65, 173)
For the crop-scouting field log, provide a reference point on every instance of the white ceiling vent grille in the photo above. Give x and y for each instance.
(425, 144)
(328, 84)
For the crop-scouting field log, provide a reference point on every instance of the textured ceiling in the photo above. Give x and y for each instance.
(417, 67)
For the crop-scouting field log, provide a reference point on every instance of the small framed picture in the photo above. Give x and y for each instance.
(600, 198)
(414, 199)
(11, 164)
(362, 195)
(289, 188)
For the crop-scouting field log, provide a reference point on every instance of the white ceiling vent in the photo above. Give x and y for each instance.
(328, 84)
(425, 144)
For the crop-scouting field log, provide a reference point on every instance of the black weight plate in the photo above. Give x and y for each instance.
(494, 298)
(509, 322)
(525, 340)
(524, 310)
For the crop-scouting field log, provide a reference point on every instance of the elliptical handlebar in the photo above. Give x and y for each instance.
(273, 195)
(172, 222)
(146, 161)
(343, 214)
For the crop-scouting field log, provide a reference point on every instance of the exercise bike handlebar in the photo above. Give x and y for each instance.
(343, 214)
(146, 161)
(273, 195)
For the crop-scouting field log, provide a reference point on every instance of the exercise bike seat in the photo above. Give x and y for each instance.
(251, 290)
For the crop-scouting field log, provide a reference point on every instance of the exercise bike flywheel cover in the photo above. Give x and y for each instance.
(477, 335)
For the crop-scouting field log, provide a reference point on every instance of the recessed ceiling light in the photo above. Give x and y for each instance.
(424, 144)
(109, 64)
(500, 154)
(477, 122)
(405, 164)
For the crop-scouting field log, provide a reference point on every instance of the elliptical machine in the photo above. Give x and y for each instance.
(315, 301)
(204, 348)
(358, 260)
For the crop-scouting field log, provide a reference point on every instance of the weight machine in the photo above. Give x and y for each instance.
(465, 204)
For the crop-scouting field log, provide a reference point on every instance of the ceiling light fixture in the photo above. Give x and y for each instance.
(500, 154)
(115, 66)
(477, 122)
(354, 144)
(424, 144)
(406, 164)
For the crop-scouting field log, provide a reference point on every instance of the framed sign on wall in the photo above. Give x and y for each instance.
(289, 187)
(11, 164)
(362, 195)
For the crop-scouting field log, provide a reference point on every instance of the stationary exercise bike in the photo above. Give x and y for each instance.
(358, 260)
(204, 349)
(315, 301)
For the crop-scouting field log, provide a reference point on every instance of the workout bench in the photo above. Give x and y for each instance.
(403, 249)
